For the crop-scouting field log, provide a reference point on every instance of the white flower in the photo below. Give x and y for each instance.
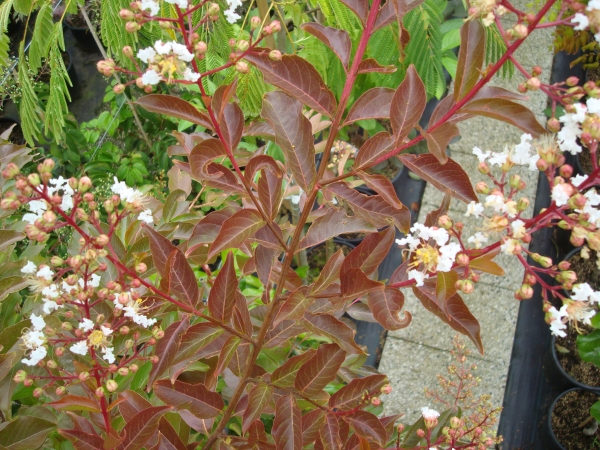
(46, 273)
(146, 54)
(29, 268)
(593, 5)
(482, 156)
(582, 292)
(439, 235)
(94, 281)
(37, 206)
(37, 322)
(106, 330)
(478, 239)
(146, 216)
(499, 159)
(50, 305)
(152, 5)
(474, 209)
(571, 130)
(557, 327)
(127, 194)
(447, 256)
(86, 325)
(429, 414)
(151, 77)
(581, 20)
(50, 291)
(182, 52)
(593, 105)
(30, 218)
(518, 229)
(190, 75)
(109, 355)
(419, 277)
(561, 194)
(593, 197)
(496, 202)
(162, 48)
(578, 179)
(595, 297)
(412, 242)
(522, 155)
(79, 348)
(232, 16)
(35, 356)
(181, 3)
(510, 247)
(33, 339)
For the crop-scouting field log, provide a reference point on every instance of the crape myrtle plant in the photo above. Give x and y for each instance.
(135, 337)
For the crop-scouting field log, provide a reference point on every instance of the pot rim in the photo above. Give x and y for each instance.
(576, 383)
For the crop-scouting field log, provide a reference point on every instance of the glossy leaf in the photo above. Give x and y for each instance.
(142, 427)
(6, 363)
(373, 104)
(174, 107)
(287, 426)
(311, 424)
(260, 162)
(235, 230)
(8, 237)
(75, 403)
(25, 433)
(232, 125)
(372, 208)
(355, 283)
(330, 433)
(445, 286)
(82, 440)
(294, 306)
(258, 399)
(439, 139)
(383, 186)
(470, 58)
(506, 111)
(358, 7)
(196, 398)
(407, 104)
(369, 65)
(221, 177)
(196, 337)
(319, 370)
(270, 193)
(368, 426)
(222, 296)
(285, 375)
(485, 264)
(182, 281)
(456, 314)
(166, 349)
(161, 248)
(282, 332)
(450, 176)
(227, 353)
(329, 273)
(333, 223)
(293, 133)
(297, 77)
(386, 306)
(373, 148)
(336, 330)
(370, 252)
(202, 155)
(337, 40)
(352, 395)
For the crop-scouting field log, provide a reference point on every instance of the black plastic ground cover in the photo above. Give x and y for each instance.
(529, 392)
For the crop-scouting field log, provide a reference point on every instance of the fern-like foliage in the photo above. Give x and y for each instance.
(495, 47)
(250, 91)
(383, 47)
(425, 47)
(29, 110)
(113, 32)
(57, 108)
(40, 44)
(5, 9)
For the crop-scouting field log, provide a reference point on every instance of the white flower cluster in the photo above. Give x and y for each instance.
(34, 340)
(582, 21)
(173, 50)
(571, 129)
(521, 154)
(132, 308)
(154, 7)
(38, 207)
(230, 14)
(429, 413)
(96, 338)
(438, 259)
(131, 195)
(576, 309)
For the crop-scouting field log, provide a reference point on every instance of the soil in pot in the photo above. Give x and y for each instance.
(16, 135)
(317, 257)
(585, 160)
(568, 356)
(77, 21)
(586, 269)
(569, 413)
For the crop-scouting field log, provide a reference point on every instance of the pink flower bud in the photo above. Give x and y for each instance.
(119, 88)
(141, 268)
(133, 368)
(267, 30)
(99, 392)
(200, 48)
(243, 45)
(11, 171)
(553, 125)
(154, 359)
(126, 14)
(213, 9)
(537, 70)
(542, 164)
(242, 67)
(421, 433)
(102, 240)
(375, 401)
(400, 427)
(60, 351)
(136, 6)
(522, 88)
(255, 22)
(533, 84)
(483, 168)
(60, 390)
(462, 259)
(386, 389)
(572, 81)
(84, 376)
(111, 385)
(521, 31)
(28, 382)
(34, 179)
(37, 392)
(123, 371)
(275, 55)
(20, 376)
(131, 27)
(275, 26)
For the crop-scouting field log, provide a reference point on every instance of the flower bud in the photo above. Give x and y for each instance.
(462, 259)
(111, 385)
(242, 45)
(141, 268)
(275, 26)
(455, 422)
(59, 351)
(60, 390)
(275, 55)
(213, 9)
(522, 88)
(200, 48)
(51, 364)
(445, 222)
(537, 70)
(533, 84)
(525, 291)
(421, 433)
(148, 89)
(20, 376)
(28, 382)
(483, 168)
(467, 287)
(482, 188)
(11, 171)
(126, 14)
(131, 27)
(154, 359)
(267, 30)
(37, 392)
(386, 389)
(102, 240)
(128, 344)
(375, 401)
(572, 81)
(99, 392)
(520, 31)
(564, 265)
(553, 125)
(123, 371)
(542, 164)
(400, 427)
(133, 368)
(84, 376)
(515, 180)
(34, 179)
(242, 67)
(255, 22)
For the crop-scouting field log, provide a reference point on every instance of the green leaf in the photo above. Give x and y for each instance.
(141, 376)
(451, 40)
(25, 433)
(23, 6)
(495, 47)
(589, 347)
(5, 9)
(29, 110)
(595, 411)
(40, 47)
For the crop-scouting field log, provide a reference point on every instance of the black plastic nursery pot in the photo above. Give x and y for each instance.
(16, 135)
(81, 33)
(547, 432)
(559, 377)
